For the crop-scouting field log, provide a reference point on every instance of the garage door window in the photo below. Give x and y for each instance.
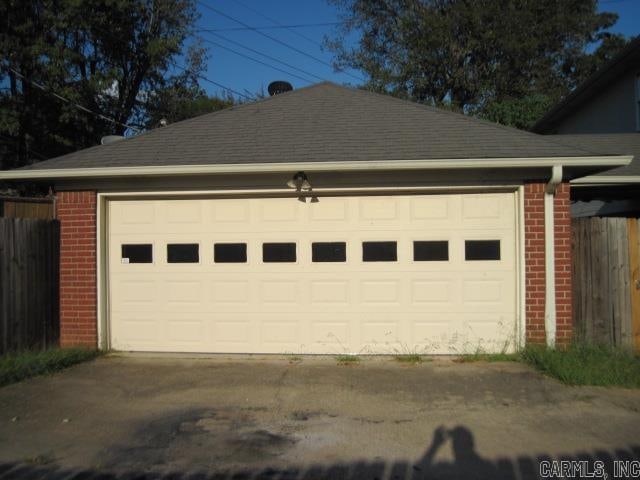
(278, 252)
(482, 250)
(183, 253)
(230, 253)
(379, 252)
(137, 253)
(431, 251)
(329, 252)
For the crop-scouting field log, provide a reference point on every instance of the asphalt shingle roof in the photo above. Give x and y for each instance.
(608, 144)
(321, 123)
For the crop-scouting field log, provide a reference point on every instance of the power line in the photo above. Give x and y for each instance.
(271, 27)
(266, 56)
(71, 102)
(273, 20)
(184, 69)
(219, 45)
(202, 77)
(240, 22)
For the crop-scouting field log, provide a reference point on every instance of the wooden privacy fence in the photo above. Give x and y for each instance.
(606, 282)
(26, 207)
(29, 266)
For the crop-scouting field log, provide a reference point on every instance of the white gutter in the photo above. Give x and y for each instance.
(244, 168)
(549, 256)
(593, 180)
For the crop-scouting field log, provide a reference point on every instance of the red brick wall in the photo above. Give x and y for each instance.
(78, 303)
(562, 223)
(534, 263)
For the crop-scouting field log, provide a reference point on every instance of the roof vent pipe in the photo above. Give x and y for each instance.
(549, 256)
(279, 86)
(106, 140)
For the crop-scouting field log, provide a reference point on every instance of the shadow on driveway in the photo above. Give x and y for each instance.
(466, 464)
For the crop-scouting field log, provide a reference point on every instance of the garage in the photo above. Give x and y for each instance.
(372, 274)
(423, 231)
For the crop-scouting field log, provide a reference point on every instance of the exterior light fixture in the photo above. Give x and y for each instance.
(299, 181)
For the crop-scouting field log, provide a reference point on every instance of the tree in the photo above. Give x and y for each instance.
(107, 56)
(496, 58)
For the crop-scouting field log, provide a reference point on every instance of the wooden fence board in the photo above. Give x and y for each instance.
(602, 282)
(29, 299)
(634, 270)
(21, 207)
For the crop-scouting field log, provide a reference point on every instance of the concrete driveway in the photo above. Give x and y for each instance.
(224, 417)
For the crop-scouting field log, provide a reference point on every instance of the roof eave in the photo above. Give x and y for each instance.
(220, 169)
(595, 180)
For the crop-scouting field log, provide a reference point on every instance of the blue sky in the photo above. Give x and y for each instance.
(244, 75)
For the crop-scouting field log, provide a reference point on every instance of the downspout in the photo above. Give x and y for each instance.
(549, 256)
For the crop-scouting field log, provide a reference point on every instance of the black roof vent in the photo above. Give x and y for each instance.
(279, 86)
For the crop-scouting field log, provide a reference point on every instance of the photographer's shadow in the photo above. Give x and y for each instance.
(466, 462)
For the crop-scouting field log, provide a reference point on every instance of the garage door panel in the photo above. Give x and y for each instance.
(307, 306)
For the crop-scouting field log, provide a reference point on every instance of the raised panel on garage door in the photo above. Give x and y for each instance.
(357, 274)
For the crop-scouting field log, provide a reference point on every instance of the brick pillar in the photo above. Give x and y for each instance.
(78, 302)
(535, 263)
(562, 223)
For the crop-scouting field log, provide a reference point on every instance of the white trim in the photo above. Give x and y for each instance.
(550, 316)
(592, 180)
(102, 260)
(453, 163)
(316, 190)
(521, 270)
(101, 272)
(98, 271)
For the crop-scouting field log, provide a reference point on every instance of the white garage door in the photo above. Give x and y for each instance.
(366, 274)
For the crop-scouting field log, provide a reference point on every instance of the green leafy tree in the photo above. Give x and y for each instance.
(109, 56)
(491, 57)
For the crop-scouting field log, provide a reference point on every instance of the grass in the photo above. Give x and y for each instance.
(347, 359)
(578, 364)
(488, 357)
(411, 358)
(15, 367)
(293, 359)
(586, 365)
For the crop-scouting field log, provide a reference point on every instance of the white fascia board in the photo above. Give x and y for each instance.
(235, 168)
(593, 180)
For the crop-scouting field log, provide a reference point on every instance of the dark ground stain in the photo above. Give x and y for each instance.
(304, 415)
(205, 436)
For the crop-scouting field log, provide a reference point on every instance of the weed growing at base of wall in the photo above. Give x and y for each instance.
(15, 367)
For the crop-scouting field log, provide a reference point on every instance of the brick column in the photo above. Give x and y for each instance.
(535, 263)
(562, 224)
(76, 212)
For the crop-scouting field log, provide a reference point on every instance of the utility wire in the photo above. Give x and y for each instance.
(74, 104)
(219, 45)
(184, 69)
(270, 37)
(273, 20)
(202, 77)
(279, 26)
(266, 56)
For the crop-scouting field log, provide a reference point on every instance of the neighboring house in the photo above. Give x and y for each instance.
(603, 115)
(607, 102)
(322, 220)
